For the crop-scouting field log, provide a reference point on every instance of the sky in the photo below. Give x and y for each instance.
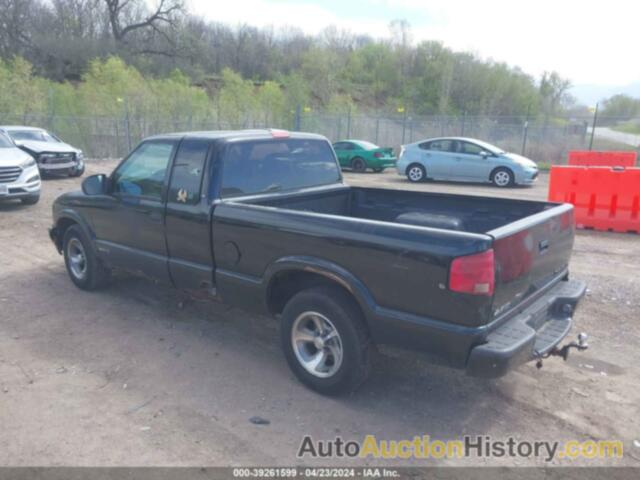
(591, 42)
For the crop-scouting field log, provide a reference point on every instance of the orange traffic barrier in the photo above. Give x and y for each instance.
(602, 159)
(604, 198)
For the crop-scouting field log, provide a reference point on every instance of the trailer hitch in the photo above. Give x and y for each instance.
(580, 345)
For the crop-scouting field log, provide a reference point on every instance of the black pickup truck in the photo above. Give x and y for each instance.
(263, 220)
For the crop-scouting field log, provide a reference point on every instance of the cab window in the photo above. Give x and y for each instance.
(263, 166)
(188, 167)
(143, 173)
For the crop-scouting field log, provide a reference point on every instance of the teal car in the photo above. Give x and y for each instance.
(359, 155)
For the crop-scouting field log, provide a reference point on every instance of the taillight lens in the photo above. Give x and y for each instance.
(473, 274)
(377, 155)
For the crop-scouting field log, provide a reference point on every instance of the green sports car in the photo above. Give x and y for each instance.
(360, 155)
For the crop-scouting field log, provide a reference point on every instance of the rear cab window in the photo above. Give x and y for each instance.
(263, 166)
(187, 172)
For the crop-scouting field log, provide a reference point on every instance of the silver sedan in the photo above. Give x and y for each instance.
(464, 160)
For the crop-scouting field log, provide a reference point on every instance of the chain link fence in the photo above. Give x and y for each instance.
(545, 141)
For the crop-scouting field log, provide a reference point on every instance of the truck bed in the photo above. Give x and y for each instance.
(445, 211)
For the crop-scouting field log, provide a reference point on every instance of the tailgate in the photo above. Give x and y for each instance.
(531, 254)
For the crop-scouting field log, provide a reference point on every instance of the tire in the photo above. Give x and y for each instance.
(378, 170)
(346, 355)
(416, 173)
(358, 165)
(31, 199)
(502, 177)
(75, 172)
(84, 268)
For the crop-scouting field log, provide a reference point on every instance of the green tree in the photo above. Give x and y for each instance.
(236, 100)
(621, 106)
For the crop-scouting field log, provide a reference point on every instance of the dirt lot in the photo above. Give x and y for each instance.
(136, 375)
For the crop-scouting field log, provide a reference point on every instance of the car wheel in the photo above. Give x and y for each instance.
(325, 340)
(502, 177)
(76, 172)
(416, 173)
(84, 268)
(31, 199)
(358, 165)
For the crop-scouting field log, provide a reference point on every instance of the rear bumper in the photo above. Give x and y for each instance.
(531, 333)
(382, 163)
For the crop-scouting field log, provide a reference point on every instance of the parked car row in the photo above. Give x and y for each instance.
(28, 154)
(446, 158)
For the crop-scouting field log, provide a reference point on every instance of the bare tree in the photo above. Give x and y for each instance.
(128, 16)
(17, 15)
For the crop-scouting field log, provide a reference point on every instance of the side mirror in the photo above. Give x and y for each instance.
(484, 154)
(95, 185)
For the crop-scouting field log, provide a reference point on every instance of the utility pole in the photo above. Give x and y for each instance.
(127, 121)
(525, 130)
(593, 128)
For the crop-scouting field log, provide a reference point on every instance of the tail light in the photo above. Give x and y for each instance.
(401, 151)
(377, 155)
(473, 274)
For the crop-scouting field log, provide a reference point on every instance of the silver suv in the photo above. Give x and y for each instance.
(19, 176)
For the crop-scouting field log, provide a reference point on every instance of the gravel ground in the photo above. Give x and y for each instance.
(139, 374)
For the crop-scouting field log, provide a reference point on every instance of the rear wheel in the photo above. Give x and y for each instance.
(502, 177)
(325, 341)
(416, 173)
(358, 165)
(84, 268)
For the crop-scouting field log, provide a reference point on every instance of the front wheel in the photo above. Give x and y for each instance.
(76, 171)
(502, 177)
(325, 341)
(84, 268)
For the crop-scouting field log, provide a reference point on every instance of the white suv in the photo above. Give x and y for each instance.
(19, 176)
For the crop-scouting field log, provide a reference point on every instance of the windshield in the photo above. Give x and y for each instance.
(262, 166)
(367, 145)
(5, 142)
(35, 135)
(488, 147)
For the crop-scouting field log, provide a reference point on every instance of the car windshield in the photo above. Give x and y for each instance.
(5, 142)
(262, 166)
(488, 147)
(35, 135)
(367, 145)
